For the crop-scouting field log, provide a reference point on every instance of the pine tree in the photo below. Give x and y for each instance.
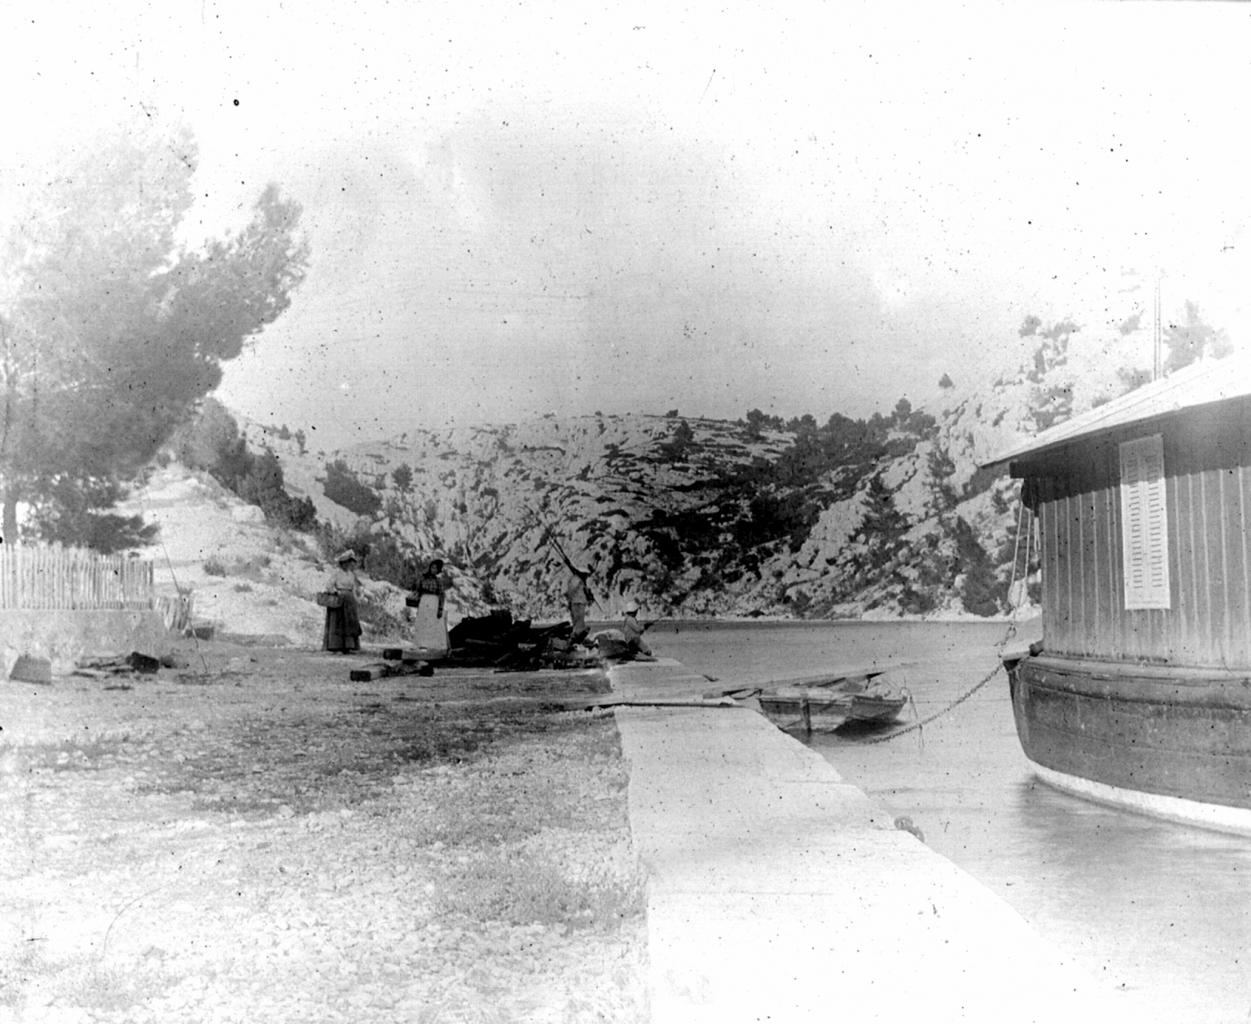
(110, 329)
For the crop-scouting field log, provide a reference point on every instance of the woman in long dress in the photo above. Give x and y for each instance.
(343, 624)
(430, 631)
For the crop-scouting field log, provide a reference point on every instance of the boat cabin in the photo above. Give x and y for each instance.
(1143, 507)
(1141, 693)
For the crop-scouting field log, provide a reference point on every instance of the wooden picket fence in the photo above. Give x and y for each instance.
(41, 577)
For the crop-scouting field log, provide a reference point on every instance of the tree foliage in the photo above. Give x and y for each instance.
(111, 329)
(980, 589)
(677, 447)
(1051, 398)
(757, 421)
(402, 475)
(67, 512)
(1193, 339)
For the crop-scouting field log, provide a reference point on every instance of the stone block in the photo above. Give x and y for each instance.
(31, 669)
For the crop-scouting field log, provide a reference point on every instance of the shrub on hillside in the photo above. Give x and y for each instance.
(211, 442)
(773, 515)
(379, 556)
(980, 591)
(344, 488)
(263, 485)
(676, 449)
(403, 477)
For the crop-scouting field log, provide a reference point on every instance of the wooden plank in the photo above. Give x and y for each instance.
(385, 670)
(409, 655)
(835, 675)
(1227, 524)
(1087, 577)
(592, 704)
(1242, 628)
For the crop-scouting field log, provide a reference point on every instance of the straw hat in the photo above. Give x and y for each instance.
(632, 609)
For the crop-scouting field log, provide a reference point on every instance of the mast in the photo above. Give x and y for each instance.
(1157, 340)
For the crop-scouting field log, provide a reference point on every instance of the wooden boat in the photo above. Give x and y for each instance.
(1139, 693)
(804, 709)
(825, 703)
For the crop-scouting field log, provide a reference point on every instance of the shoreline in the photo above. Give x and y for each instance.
(773, 882)
(766, 620)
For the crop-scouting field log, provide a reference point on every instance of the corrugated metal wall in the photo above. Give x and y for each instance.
(1208, 486)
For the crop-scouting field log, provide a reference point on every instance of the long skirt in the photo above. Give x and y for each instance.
(429, 632)
(343, 627)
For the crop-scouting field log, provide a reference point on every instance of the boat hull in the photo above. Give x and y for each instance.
(870, 708)
(1174, 743)
(824, 712)
(796, 711)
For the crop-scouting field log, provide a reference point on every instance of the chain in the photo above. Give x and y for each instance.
(1008, 635)
(940, 712)
(1022, 514)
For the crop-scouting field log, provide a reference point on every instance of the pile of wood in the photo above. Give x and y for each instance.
(498, 641)
(133, 663)
(395, 662)
(112, 666)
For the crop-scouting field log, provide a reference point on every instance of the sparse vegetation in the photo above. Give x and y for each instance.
(345, 488)
(211, 441)
(381, 556)
(473, 852)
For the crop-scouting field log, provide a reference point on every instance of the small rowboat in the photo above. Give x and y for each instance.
(825, 703)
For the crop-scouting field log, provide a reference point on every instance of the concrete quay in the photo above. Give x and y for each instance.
(777, 892)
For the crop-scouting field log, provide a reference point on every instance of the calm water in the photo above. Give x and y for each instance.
(1161, 910)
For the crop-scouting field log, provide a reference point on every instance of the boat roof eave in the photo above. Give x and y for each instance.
(1205, 383)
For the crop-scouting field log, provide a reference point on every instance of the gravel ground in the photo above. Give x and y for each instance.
(255, 838)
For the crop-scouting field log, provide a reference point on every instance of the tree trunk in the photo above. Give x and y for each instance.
(9, 532)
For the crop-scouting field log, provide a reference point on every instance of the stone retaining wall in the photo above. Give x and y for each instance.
(64, 637)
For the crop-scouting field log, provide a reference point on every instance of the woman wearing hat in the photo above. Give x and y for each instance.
(343, 624)
(427, 601)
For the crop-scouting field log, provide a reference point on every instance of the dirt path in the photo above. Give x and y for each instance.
(255, 838)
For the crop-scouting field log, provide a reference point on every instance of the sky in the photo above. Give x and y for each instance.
(523, 208)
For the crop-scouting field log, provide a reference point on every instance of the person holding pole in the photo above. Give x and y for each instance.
(578, 596)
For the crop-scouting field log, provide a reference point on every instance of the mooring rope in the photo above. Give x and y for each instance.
(941, 711)
(1022, 512)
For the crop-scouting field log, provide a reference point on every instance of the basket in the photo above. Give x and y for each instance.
(329, 599)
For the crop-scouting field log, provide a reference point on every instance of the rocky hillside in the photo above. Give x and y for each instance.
(695, 517)
(244, 576)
